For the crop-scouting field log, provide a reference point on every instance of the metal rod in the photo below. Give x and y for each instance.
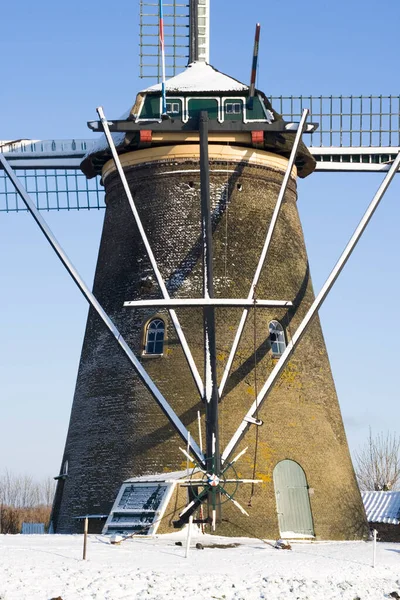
(146, 380)
(210, 360)
(162, 48)
(254, 66)
(313, 310)
(208, 302)
(188, 460)
(200, 437)
(159, 278)
(264, 251)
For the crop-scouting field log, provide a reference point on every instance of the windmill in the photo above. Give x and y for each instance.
(382, 157)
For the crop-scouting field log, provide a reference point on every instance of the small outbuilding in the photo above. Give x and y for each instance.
(383, 514)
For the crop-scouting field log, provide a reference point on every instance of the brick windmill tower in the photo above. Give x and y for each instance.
(203, 268)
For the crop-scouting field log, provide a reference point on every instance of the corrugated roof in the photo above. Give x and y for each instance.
(382, 507)
(200, 77)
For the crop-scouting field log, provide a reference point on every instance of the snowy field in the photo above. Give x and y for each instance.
(41, 567)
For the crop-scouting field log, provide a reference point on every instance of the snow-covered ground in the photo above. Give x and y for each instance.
(40, 567)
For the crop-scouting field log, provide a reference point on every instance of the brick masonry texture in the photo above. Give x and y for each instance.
(116, 429)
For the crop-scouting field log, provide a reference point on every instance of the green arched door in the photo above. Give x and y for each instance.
(292, 500)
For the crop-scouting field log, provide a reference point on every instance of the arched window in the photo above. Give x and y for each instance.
(155, 333)
(277, 338)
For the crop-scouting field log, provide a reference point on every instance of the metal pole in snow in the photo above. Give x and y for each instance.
(313, 310)
(85, 533)
(264, 251)
(162, 47)
(145, 378)
(189, 535)
(374, 533)
(254, 65)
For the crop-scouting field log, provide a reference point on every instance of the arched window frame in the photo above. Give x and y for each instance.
(278, 345)
(146, 330)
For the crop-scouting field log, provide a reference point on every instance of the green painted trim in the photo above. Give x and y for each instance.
(195, 105)
(151, 108)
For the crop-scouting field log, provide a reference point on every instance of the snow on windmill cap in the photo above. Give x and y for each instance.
(200, 77)
(186, 94)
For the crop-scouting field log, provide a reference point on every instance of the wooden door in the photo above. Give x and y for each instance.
(292, 500)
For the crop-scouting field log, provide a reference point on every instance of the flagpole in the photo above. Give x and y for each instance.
(162, 48)
(254, 66)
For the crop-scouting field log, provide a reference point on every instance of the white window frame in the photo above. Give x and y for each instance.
(278, 345)
(267, 117)
(236, 108)
(175, 108)
(155, 341)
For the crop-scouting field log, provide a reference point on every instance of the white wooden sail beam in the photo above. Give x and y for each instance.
(163, 288)
(199, 30)
(313, 310)
(143, 375)
(185, 302)
(264, 251)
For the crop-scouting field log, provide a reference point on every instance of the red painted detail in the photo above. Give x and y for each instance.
(257, 139)
(146, 136)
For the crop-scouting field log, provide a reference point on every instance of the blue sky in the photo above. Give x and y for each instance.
(61, 61)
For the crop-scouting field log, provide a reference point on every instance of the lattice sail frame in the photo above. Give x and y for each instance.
(176, 34)
(356, 133)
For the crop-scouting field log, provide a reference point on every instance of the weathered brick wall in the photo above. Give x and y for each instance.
(116, 429)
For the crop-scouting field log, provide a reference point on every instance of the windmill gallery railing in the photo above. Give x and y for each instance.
(355, 133)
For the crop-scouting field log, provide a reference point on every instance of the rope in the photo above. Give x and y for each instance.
(226, 193)
(256, 398)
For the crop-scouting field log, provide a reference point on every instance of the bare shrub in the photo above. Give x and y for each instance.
(378, 463)
(11, 518)
(24, 500)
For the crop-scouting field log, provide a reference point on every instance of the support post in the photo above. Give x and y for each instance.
(200, 434)
(85, 533)
(313, 310)
(210, 361)
(157, 273)
(189, 536)
(141, 372)
(264, 251)
(374, 534)
(211, 396)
